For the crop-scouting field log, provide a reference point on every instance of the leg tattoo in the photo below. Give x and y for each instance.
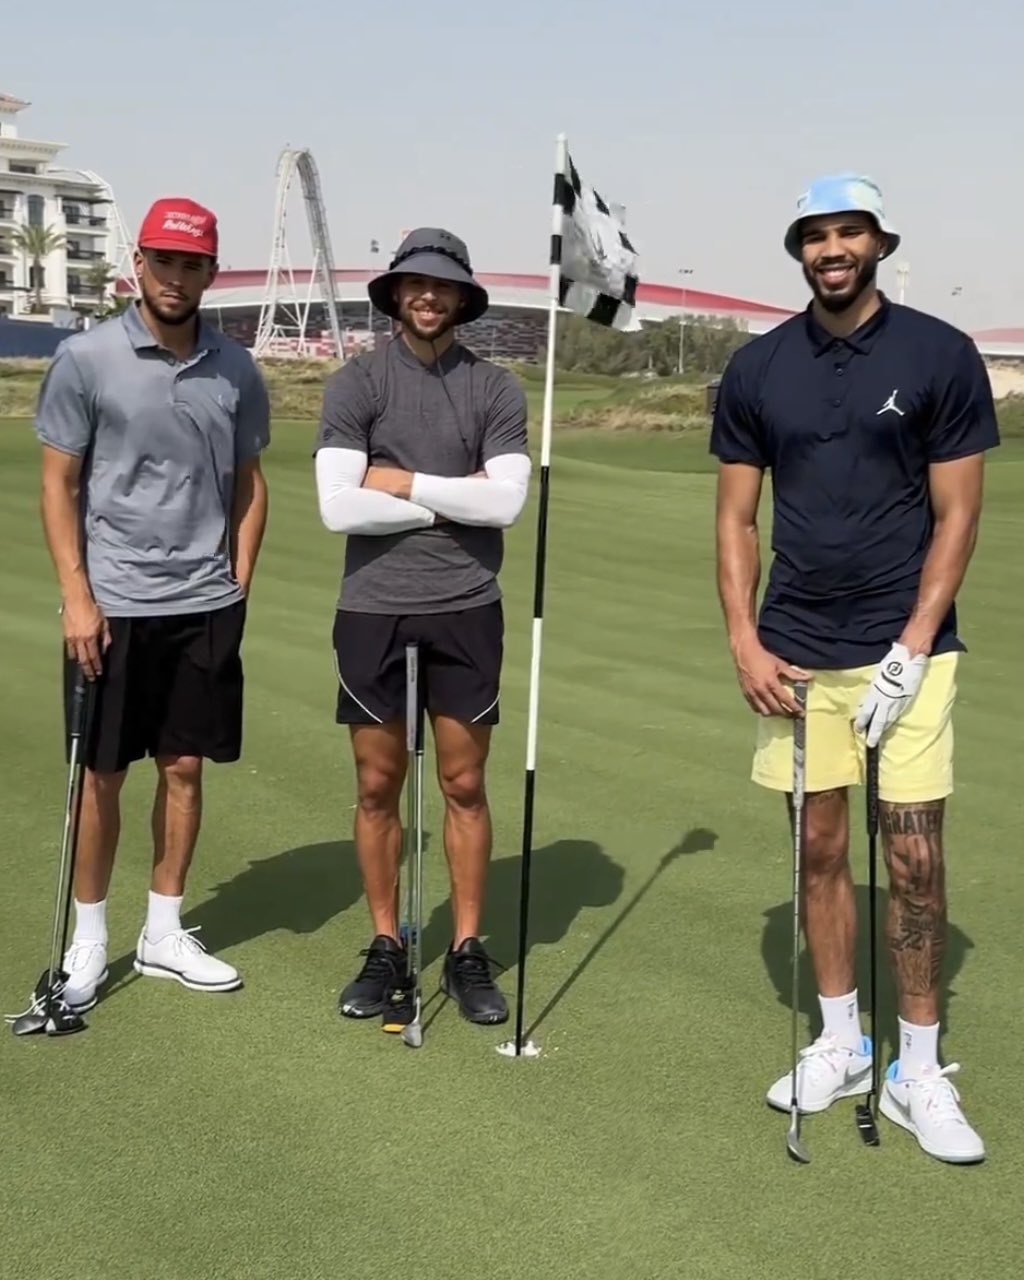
(916, 924)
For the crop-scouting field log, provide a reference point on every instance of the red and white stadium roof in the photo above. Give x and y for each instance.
(246, 289)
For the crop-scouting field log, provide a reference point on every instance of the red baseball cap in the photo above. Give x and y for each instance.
(179, 224)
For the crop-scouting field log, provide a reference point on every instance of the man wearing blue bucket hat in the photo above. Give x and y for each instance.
(873, 419)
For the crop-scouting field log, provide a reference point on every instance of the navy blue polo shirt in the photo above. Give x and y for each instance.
(848, 427)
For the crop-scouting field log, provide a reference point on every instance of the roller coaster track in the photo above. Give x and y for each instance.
(281, 297)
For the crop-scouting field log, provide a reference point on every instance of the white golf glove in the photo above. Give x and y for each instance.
(894, 687)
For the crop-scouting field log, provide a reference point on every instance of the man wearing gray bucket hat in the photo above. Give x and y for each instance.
(421, 460)
(874, 419)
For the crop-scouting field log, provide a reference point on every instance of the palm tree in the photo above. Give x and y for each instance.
(37, 243)
(98, 278)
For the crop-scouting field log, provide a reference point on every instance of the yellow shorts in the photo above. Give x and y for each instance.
(915, 762)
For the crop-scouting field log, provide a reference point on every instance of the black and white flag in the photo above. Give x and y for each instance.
(597, 263)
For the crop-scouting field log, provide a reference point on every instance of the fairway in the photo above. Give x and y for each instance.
(258, 1136)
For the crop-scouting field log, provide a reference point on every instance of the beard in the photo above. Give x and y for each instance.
(837, 301)
(159, 309)
(426, 333)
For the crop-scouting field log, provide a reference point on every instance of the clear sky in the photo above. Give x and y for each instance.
(705, 120)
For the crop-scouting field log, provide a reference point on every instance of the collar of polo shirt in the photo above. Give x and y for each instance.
(207, 338)
(861, 340)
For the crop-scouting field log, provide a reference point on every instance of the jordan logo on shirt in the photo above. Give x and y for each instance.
(890, 404)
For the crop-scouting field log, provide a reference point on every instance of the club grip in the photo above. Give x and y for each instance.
(79, 694)
(872, 790)
(412, 697)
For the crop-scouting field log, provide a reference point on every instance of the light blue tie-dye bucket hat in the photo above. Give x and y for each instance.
(841, 193)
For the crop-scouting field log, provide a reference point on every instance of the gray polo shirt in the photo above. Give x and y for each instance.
(161, 440)
(446, 419)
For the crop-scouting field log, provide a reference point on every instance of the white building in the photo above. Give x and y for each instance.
(78, 208)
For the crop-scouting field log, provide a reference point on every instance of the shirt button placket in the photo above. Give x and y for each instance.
(840, 371)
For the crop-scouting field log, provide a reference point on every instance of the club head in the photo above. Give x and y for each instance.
(794, 1145)
(29, 1023)
(57, 1020)
(866, 1126)
(412, 1035)
(64, 1022)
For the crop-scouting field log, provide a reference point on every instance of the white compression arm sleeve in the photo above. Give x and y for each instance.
(496, 500)
(347, 508)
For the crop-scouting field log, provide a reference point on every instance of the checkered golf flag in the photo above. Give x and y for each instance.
(596, 260)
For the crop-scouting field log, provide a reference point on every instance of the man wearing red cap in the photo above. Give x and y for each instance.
(154, 504)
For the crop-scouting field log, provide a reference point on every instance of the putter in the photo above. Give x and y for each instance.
(412, 1034)
(865, 1112)
(794, 1145)
(48, 1011)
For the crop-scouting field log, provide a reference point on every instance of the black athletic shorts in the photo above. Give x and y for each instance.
(460, 664)
(170, 686)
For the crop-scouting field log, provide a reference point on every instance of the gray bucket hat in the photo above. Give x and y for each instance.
(431, 251)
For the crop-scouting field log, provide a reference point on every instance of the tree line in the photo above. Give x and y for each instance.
(707, 344)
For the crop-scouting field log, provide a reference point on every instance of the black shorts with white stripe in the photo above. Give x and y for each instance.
(460, 662)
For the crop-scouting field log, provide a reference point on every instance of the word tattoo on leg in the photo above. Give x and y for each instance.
(910, 820)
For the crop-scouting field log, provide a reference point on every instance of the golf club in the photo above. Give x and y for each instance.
(406, 1006)
(864, 1114)
(48, 1011)
(794, 1145)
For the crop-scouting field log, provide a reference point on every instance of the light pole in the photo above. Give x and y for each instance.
(374, 249)
(902, 276)
(684, 272)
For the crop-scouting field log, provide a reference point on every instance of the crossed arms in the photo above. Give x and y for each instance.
(355, 497)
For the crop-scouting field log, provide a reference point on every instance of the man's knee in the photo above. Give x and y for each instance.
(380, 756)
(183, 777)
(913, 847)
(104, 787)
(463, 786)
(826, 832)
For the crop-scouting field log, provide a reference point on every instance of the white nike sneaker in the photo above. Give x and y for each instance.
(827, 1071)
(181, 956)
(928, 1106)
(85, 963)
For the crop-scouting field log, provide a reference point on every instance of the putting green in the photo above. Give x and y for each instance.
(256, 1136)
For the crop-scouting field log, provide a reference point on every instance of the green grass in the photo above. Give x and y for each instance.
(257, 1137)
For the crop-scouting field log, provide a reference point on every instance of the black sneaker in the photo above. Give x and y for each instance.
(467, 980)
(385, 968)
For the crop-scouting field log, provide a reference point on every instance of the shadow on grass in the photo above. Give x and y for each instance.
(299, 890)
(697, 840)
(777, 952)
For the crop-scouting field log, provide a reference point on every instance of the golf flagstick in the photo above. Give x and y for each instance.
(529, 787)
(592, 273)
(865, 1113)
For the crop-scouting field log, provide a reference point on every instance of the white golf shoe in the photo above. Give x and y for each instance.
(85, 963)
(928, 1106)
(182, 956)
(827, 1071)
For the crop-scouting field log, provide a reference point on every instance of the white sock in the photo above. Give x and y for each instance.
(163, 916)
(919, 1048)
(841, 1016)
(90, 922)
